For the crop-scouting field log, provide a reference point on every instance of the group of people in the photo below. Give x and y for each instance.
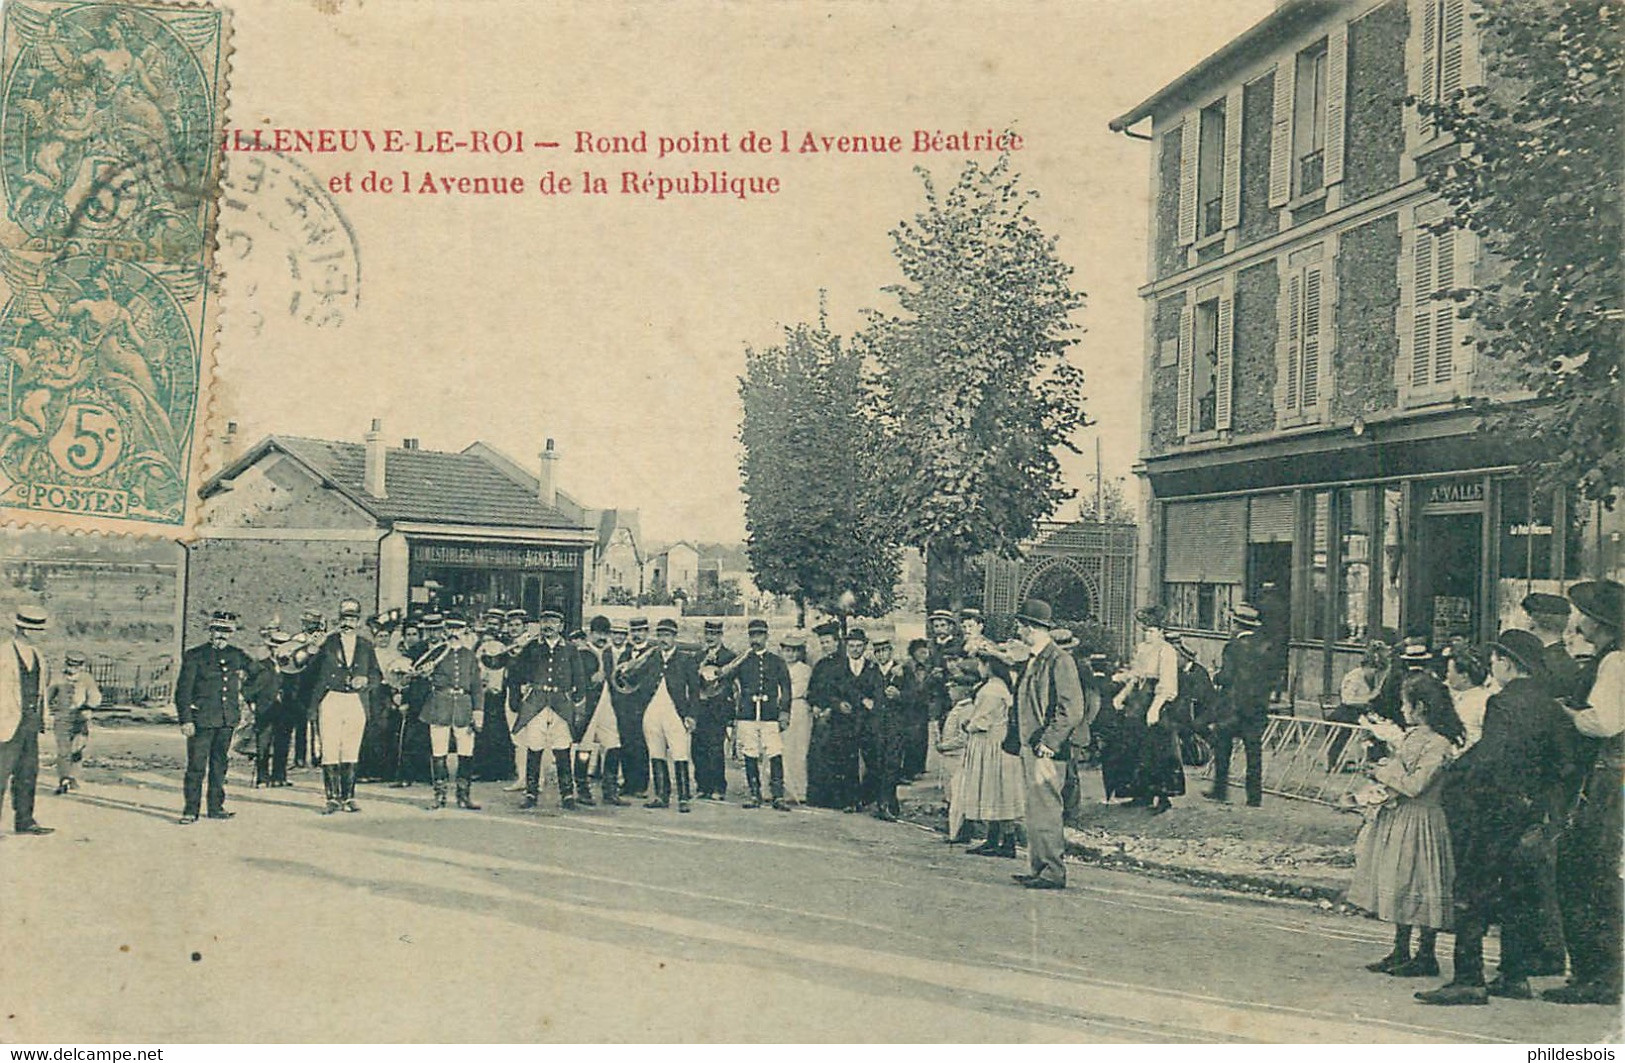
(29, 694)
(1498, 802)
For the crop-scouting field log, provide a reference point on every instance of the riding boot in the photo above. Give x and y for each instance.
(775, 783)
(465, 784)
(437, 772)
(683, 791)
(611, 772)
(533, 778)
(583, 784)
(567, 785)
(660, 782)
(330, 784)
(753, 779)
(347, 782)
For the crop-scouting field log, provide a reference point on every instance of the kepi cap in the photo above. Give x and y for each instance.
(757, 626)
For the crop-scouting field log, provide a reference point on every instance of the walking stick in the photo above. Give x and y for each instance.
(400, 753)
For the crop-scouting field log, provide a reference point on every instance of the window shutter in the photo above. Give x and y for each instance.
(1452, 33)
(1187, 323)
(1222, 377)
(1444, 313)
(1427, 87)
(1337, 79)
(1232, 159)
(1422, 311)
(1294, 339)
(1189, 143)
(1309, 370)
(1205, 542)
(1281, 135)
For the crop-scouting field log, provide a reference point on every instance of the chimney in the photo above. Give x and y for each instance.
(372, 477)
(547, 488)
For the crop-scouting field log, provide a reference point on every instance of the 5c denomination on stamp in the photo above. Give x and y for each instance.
(110, 119)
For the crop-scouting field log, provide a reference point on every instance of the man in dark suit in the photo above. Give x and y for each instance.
(761, 696)
(603, 730)
(1549, 619)
(672, 682)
(628, 641)
(714, 714)
(843, 696)
(1050, 719)
(344, 678)
(1503, 797)
(25, 681)
(553, 685)
(1246, 673)
(884, 738)
(209, 702)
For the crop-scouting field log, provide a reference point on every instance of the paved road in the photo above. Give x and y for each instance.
(398, 924)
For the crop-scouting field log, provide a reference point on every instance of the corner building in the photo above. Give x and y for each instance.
(1307, 437)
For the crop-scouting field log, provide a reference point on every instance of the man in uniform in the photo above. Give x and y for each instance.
(552, 686)
(629, 641)
(344, 676)
(261, 691)
(24, 679)
(603, 733)
(761, 695)
(1246, 673)
(454, 710)
(313, 629)
(713, 715)
(885, 731)
(1588, 852)
(668, 682)
(1549, 620)
(209, 701)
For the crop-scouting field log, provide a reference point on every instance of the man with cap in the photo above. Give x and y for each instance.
(313, 629)
(603, 733)
(1246, 673)
(209, 702)
(1505, 794)
(1549, 619)
(262, 690)
(553, 686)
(69, 701)
(24, 679)
(454, 710)
(516, 634)
(1588, 852)
(843, 692)
(629, 640)
(1050, 718)
(760, 687)
(881, 743)
(714, 714)
(345, 677)
(947, 646)
(668, 683)
(821, 697)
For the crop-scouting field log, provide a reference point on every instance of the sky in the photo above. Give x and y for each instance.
(617, 324)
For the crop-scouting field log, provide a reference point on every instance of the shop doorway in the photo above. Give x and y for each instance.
(1448, 585)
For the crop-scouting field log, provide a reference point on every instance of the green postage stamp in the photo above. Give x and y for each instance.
(110, 130)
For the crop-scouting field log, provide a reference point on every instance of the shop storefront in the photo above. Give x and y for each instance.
(470, 577)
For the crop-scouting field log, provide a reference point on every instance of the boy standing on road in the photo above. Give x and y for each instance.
(70, 700)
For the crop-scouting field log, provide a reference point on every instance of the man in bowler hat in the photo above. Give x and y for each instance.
(1049, 710)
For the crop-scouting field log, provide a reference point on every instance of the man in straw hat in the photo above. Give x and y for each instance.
(1588, 853)
(1505, 794)
(344, 677)
(209, 701)
(1049, 708)
(24, 679)
(1246, 672)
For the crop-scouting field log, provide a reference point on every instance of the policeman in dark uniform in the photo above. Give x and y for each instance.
(454, 711)
(1246, 673)
(715, 714)
(209, 700)
(553, 687)
(761, 695)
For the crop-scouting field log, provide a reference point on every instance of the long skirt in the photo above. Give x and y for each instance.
(1162, 768)
(990, 783)
(1404, 870)
(493, 753)
(1120, 758)
(832, 763)
(797, 738)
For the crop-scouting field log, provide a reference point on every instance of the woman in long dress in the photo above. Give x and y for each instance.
(990, 786)
(951, 752)
(798, 736)
(1404, 870)
(1149, 685)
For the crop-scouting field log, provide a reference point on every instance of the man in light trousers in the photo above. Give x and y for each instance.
(1049, 709)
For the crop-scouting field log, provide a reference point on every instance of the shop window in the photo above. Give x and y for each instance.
(1358, 533)
(1199, 606)
(1540, 539)
(1319, 586)
(1389, 561)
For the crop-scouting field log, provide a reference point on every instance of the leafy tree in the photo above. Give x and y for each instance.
(973, 391)
(808, 476)
(1538, 180)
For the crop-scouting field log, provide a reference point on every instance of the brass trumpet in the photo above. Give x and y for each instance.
(623, 680)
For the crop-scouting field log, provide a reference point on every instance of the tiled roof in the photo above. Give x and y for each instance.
(428, 485)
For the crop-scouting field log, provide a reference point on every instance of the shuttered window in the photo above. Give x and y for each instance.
(1309, 132)
(1443, 57)
(1206, 362)
(1210, 170)
(1271, 519)
(1205, 542)
(1189, 150)
(1435, 341)
(1306, 338)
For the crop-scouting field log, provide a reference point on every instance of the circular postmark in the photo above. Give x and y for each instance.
(285, 246)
